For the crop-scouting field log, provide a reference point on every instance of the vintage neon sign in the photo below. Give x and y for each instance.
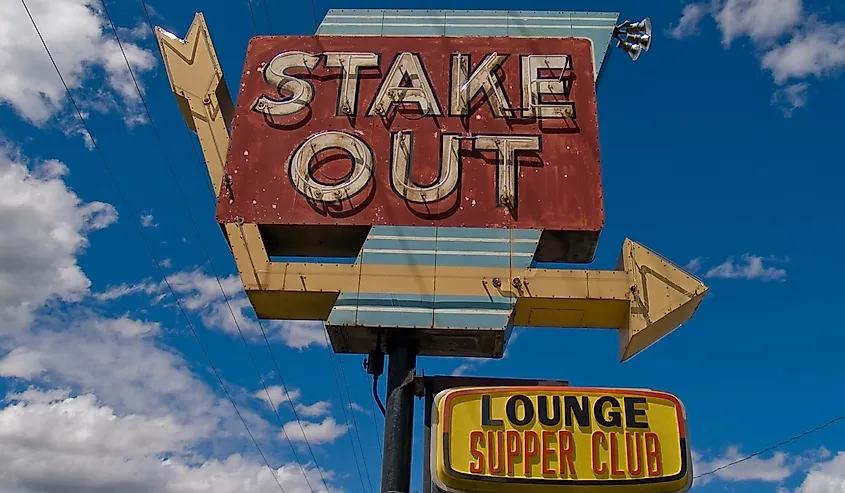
(407, 66)
(407, 83)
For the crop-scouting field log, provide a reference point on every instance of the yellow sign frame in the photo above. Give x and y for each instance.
(670, 472)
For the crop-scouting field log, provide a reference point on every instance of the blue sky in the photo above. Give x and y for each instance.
(721, 150)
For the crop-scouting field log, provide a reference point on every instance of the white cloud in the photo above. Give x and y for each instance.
(325, 432)
(319, 408)
(818, 51)
(277, 395)
(791, 97)
(690, 17)
(82, 44)
(148, 221)
(750, 267)
(791, 43)
(773, 470)
(21, 362)
(121, 290)
(151, 416)
(44, 226)
(120, 361)
(201, 293)
(52, 443)
(825, 477)
(359, 408)
(462, 369)
(301, 335)
(695, 264)
(760, 20)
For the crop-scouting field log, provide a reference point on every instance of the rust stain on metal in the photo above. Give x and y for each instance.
(557, 186)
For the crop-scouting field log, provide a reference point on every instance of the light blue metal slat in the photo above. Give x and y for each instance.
(596, 26)
(422, 311)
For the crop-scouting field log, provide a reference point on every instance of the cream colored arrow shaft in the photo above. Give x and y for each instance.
(197, 81)
(213, 132)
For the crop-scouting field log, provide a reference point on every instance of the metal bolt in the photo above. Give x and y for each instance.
(516, 282)
(497, 283)
(206, 100)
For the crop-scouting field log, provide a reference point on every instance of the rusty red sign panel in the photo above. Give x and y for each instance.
(445, 131)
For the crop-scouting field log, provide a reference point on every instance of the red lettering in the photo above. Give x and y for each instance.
(654, 462)
(547, 452)
(634, 456)
(566, 444)
(474, 438)
(497, 451)
(614, 456)
(532, 449)
(513, 449)
(599, 466)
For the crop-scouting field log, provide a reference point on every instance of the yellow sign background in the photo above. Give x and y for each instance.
(601, 439)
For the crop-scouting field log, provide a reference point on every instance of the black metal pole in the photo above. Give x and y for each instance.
(399, 417)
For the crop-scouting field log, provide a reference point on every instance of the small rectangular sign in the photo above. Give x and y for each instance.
(416, 131)
(516, 439)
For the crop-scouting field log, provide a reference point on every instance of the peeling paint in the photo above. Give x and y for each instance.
(566, 166)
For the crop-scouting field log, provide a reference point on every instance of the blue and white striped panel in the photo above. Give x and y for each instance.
(422, 311)
(597, 26)
(429, 246)
(451, 247)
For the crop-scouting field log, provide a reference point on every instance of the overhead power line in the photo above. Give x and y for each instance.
(345, 419)
(260, 324)
(252, 15)
(208, 256)
(354, 420)
(146, 242)
(773, 447)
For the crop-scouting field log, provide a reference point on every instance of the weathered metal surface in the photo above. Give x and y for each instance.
(595, 26)
(557, 187)
(444, 273)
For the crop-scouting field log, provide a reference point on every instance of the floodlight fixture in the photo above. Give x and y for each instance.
(634, 50)
(643, 40)
(637, 37)
(642, 27)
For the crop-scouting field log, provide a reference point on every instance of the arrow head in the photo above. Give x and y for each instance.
(192, 65)
(663, 296)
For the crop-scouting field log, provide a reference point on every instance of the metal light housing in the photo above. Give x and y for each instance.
(643, 40)
(633, 50)
(642, 27)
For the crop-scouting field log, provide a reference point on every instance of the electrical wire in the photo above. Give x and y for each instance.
(123, 199)
(773, 447)
(340, 396)
(206, 252)
(377, 397)
(290, 401)
(373, 413)
(267, 15)
(354, 421)
(252, 15)
(266, 341)
(314, 16)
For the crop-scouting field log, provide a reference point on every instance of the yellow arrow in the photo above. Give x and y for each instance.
(645, 298)
(197, 81)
